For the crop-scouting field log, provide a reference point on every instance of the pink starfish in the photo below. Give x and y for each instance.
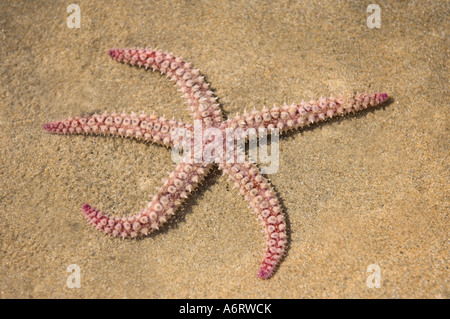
(186, 176)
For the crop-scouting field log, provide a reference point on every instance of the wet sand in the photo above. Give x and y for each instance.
(367, 189)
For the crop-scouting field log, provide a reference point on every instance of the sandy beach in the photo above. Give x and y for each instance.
(364, 191)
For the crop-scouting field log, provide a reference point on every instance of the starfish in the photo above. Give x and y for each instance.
(188, 175)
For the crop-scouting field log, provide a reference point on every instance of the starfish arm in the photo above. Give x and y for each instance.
(192, 84)
(300, 115)
(142, 127)
(262, 198)
(182, 181)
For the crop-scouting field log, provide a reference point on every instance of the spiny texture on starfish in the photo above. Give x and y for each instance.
(305, 113)
(263, 200)
(182, 181)
(187, 176)
(149, 128)
(193, 85)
